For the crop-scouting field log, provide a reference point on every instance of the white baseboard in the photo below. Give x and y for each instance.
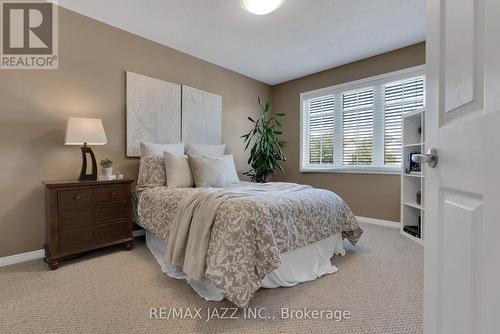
(38, 254)
(23, 257)
(380, 222)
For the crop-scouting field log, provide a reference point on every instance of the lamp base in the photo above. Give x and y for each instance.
(86, 152)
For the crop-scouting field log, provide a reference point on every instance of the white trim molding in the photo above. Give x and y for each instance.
(355, 170)
(380, 222)
(23, 257)
(38, 254)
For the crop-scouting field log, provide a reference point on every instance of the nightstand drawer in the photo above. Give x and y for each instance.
(110, 213)
(87, 217)
(111, 194)
(75, 198)
(92, 235)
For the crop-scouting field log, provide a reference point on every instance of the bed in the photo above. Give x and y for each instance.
(230, 241)
(225, 237)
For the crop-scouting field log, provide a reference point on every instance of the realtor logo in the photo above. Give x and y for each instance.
(29, 35)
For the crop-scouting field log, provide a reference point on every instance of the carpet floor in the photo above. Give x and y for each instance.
(379, 282)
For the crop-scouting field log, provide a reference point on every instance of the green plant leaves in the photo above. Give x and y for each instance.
(266, 152)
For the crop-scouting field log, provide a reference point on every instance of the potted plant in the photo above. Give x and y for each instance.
(107, 169)
(266, 152)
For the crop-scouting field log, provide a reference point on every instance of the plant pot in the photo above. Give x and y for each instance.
(107, 172)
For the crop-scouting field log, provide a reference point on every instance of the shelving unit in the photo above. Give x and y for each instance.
(412, 213)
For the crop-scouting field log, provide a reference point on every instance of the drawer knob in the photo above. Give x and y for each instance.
(95, 214)
(94, 234)
(113, 194)
(77, 197)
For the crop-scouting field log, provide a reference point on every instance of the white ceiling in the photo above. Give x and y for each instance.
(299, 38)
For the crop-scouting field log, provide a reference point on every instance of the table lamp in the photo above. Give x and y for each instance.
(86, 131)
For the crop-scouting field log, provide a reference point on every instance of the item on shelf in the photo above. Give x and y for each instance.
(419, 197)
(419, 226)
(412, 230)
(412, 167)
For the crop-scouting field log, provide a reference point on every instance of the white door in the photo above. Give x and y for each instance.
(462, 217)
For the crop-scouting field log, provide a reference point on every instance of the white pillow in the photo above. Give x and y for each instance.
(230, 174)
(178, 171)
(206, 150)
(148, 149)
(207, 172)
(213, 171)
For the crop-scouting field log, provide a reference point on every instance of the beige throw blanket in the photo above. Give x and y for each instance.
(189, 237)
(188, 240)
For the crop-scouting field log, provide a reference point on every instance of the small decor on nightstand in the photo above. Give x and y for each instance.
(107, 169)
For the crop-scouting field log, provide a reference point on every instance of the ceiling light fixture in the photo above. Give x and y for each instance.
(261, 7)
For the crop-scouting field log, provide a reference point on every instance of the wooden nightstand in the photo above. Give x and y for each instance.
(86, 215)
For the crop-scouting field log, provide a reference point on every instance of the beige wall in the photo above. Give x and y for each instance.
(376, 196)
(90, 82)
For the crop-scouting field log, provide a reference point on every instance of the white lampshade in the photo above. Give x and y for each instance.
(80, 131)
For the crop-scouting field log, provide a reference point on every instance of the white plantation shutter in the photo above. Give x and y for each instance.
(320, 130)
(357, 126)
(399, 97)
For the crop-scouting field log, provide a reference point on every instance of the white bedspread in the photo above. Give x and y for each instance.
(300, 265)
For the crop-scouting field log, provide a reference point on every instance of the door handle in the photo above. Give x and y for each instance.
(431, 158)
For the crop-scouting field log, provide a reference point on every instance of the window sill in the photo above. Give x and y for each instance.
(351, 170)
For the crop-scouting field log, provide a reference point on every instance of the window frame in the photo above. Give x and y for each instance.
(337, 91)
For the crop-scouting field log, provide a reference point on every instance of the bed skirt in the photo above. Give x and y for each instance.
(300, 265)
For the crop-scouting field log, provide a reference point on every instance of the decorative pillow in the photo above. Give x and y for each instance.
(207, 172)
(213, 171)
(152, 172)
(206, 150)
(230, 174)
(178, 171)
(148, 149)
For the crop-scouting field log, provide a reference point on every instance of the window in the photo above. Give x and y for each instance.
(357, 126)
